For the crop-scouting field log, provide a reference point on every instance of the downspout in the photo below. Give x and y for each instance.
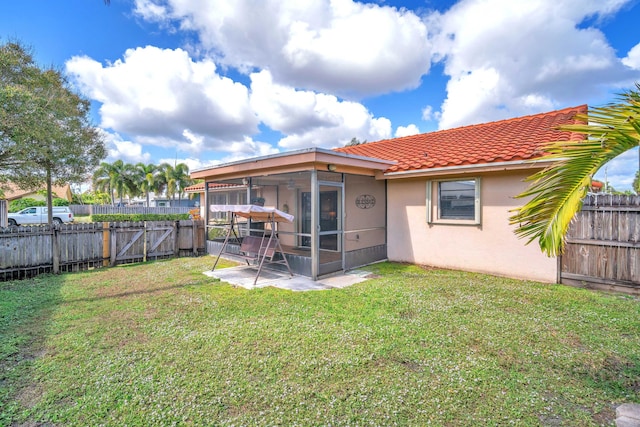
(343, 209)
(386, 219)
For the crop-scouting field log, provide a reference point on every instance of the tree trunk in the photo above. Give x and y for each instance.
(55, 245)
(49, 198)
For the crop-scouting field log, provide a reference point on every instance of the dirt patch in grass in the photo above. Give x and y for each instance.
(30, 395)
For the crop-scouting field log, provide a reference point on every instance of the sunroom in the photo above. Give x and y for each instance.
(338, 202)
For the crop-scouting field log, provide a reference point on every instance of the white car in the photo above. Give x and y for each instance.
(38, 215)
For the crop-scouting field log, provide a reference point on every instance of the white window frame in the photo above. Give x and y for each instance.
(433, 203)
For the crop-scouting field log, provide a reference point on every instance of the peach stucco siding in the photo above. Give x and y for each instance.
(490, 247)
(364, 227)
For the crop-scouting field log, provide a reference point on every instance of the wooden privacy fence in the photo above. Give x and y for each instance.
(603, 245)
(109, 209)
(29, 251)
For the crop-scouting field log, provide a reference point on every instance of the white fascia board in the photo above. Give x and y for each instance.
(482, 167)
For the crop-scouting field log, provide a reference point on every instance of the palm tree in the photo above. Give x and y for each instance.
(181, 175)
(557, 191)
(176, 179)
(147, 178)
(125, 181)
(117, 177)
(165, 182)
(102, 179)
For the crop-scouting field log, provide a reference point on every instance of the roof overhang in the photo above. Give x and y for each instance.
(476, 168)
(296, 161)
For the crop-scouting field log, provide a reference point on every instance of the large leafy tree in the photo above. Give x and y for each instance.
(46, 136)
(557, 192)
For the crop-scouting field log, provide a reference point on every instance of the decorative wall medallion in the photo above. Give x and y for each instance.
(365, 201)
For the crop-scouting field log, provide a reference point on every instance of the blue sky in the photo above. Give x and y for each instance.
(205, 82)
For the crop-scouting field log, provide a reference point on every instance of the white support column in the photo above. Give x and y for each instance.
(206, 211)
(315, 226)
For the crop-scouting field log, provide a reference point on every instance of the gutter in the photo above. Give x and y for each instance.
(488, 167)
(315, 150)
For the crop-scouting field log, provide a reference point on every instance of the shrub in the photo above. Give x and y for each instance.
(27, 202)
(216, 233)
(18, 205)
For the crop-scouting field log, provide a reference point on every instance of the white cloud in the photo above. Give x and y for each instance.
(632, 60)
(428, 114)
(238, 150)
(165, 98)
(621, 171)
(191, 162)
(341, 47)
(127, 151)
(312, 119)
(246, 148)
(521, 57)
(407, 130)
(307, 61)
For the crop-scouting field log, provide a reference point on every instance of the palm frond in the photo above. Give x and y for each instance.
(556, 193)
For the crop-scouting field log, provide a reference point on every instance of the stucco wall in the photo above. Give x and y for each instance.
(364, 227)
(490, 247)
(286, 197)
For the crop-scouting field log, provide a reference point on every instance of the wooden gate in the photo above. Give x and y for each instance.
(140, 241)
(603, 245)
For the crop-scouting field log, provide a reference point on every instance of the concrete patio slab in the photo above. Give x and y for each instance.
(245, 276)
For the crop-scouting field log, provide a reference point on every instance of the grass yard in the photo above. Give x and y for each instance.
(162, 344)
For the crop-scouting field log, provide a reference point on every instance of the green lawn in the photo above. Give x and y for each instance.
(162, 344)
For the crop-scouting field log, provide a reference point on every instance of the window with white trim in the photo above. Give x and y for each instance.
(453, 201)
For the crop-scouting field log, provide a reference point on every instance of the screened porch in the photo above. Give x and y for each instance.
(339, 218)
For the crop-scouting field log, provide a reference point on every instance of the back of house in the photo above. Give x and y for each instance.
(442, 199)
(451, 193)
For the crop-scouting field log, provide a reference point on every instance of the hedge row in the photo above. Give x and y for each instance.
(138, 217)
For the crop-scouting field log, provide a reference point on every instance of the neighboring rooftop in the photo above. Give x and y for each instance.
(13, 192)
(514, 139)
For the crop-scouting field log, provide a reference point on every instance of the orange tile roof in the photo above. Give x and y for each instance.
(199, 187)
(195, 188)
(508, 140)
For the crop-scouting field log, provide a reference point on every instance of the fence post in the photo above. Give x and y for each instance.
(145, 242)
(55, 249)
(113, 253)
(106, 252)
(194, 236)
(176, 239)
